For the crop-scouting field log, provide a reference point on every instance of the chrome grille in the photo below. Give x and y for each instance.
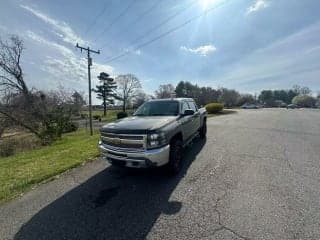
(126, 141)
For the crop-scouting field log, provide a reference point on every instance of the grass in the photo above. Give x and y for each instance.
(20, 172)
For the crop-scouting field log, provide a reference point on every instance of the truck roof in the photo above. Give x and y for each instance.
(173, 99)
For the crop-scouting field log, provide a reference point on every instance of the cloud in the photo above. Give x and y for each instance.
(62, 29)
(67, 66)
(132, 50)
(257, 6)
(138, 52)
(204, 50)
(65, 51)
(74, 68)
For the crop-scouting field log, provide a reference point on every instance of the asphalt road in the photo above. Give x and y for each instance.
(257, 176)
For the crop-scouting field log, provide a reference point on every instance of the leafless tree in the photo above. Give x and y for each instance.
(139, 99)
(16, 95)
(165, 91)
(128, 87)
(43, 114)
(11, 77)
(228, 97)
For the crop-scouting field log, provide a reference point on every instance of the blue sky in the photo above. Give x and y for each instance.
(247, 45)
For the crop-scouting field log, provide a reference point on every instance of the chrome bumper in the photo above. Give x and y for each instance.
(142, 159)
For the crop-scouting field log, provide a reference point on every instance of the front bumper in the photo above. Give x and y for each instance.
(142, 159)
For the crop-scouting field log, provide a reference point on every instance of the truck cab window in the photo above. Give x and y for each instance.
(184, 107)
(193, 106)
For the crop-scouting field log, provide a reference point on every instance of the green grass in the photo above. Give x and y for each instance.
(20, 172)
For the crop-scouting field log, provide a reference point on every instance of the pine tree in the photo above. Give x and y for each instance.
(105, 91)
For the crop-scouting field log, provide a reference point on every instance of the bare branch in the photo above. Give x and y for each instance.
(10, 56)
(127, 86)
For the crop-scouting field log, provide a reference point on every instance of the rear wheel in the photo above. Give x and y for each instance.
(175, 161)
(203, 129)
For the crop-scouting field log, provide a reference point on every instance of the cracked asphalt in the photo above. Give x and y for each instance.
(256, 176)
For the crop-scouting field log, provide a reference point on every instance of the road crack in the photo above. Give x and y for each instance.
(223, 226)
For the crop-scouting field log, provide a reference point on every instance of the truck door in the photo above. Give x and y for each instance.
(186, 122)
(195, 118)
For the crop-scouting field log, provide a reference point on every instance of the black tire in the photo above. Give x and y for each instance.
(175, 158)
(203, 129)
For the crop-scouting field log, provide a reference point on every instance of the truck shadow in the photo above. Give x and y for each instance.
(113, 204)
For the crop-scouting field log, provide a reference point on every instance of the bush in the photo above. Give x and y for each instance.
(304, 101)
(18, 143)
(70, 127)
(7, 148)
(214, 107)
(1, 130)
(96, 117)
(122, 115)
(83, 115)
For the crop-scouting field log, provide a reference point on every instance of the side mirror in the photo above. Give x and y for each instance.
(188, 112)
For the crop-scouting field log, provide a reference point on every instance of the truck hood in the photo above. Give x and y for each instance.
(138, 125)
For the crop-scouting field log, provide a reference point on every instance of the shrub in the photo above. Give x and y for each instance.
(122, 115)
(20, 142)
(96, 117)
(7, 148)
(1, 130)
(214, 107)
(304, 101)
(70, 127)
(83, 115)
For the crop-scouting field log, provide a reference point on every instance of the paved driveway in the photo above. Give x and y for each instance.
(257, 176)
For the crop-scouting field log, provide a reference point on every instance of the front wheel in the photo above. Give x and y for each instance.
(175, 161)
(203, 129)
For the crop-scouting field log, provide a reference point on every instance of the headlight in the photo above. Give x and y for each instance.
(156, 140)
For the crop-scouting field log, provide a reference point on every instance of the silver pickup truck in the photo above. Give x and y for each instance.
(155, 135)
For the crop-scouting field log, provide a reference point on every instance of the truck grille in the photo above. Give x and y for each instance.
(126, 141)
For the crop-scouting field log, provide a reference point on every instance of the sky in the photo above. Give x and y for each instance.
(247, 45)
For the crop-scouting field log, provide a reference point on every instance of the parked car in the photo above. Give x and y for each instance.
(155, 135)
(249, 106)
(292, 106)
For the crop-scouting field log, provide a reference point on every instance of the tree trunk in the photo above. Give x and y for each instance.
(124, 106)
(104, 108)
(104, 101)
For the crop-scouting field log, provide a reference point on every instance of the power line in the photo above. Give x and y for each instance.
(151, 30)
(95, 19)
(167, 32)
(146, 12)
(115, 20)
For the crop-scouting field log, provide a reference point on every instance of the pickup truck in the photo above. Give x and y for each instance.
(155, 135)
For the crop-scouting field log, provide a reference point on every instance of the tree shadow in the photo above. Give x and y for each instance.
(114, 204)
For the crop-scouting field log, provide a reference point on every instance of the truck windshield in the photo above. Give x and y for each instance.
(158, 108)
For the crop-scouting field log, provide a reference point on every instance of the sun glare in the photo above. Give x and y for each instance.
(205, 4)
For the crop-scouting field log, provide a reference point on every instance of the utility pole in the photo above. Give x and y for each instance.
(89, 81)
